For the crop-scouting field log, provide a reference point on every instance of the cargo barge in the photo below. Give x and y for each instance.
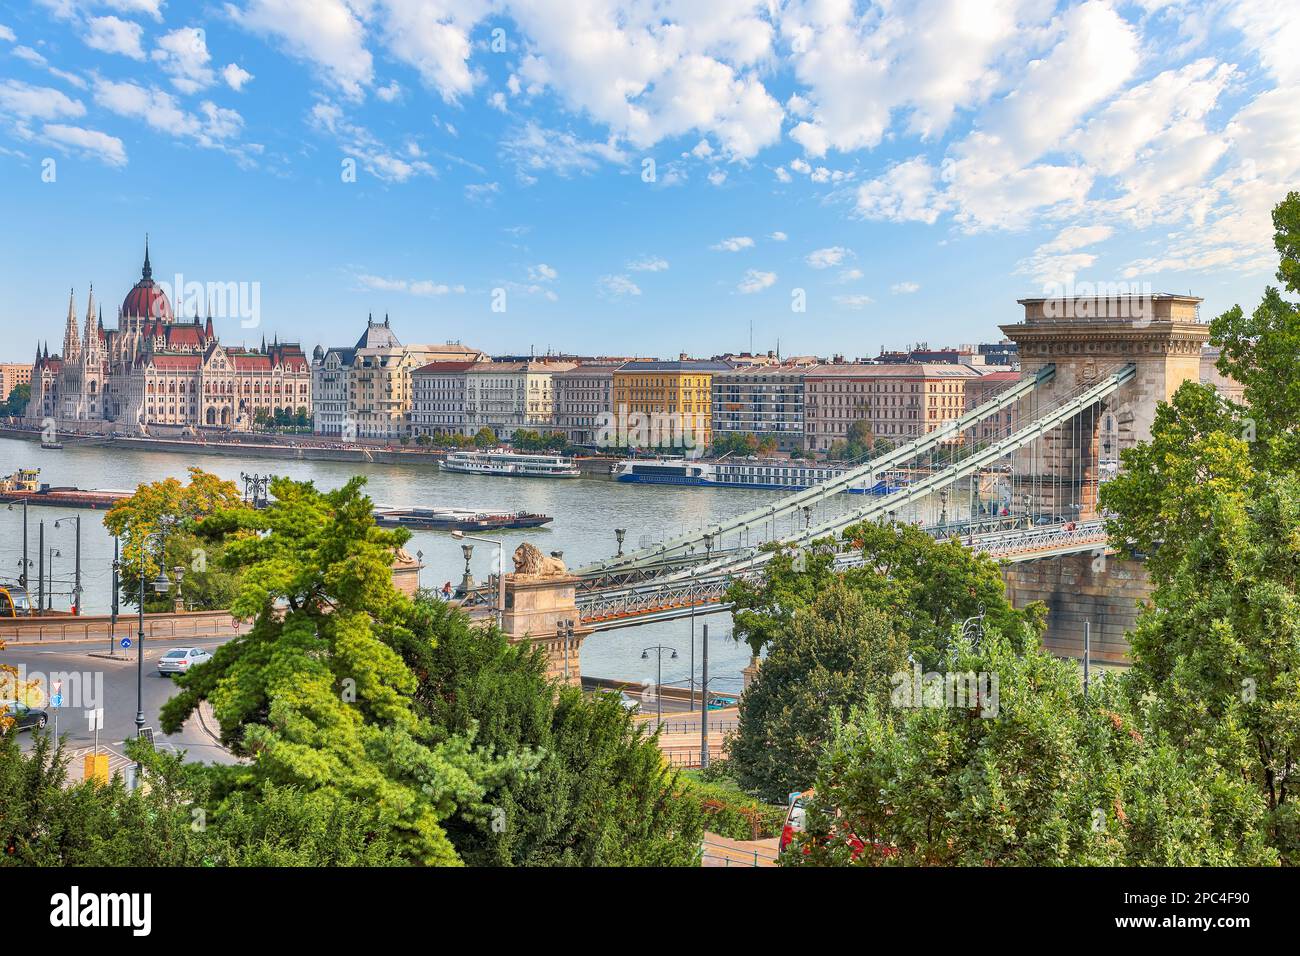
(456, 519)
(24, 485)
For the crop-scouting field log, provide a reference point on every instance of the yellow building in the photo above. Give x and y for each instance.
(664, 396)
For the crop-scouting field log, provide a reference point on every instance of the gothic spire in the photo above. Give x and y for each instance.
(147, 271)
(71, 343)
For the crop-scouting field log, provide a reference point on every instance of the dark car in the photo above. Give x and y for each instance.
(24, 717)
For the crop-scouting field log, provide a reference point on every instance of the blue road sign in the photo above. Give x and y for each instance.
(56, 700)
(126, 642)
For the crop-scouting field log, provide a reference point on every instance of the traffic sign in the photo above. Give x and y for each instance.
(126, 642)
(56, 700)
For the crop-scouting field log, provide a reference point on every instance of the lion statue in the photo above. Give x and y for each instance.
(530, 562)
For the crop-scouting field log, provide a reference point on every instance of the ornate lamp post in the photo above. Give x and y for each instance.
(467, 581)
(619, 535)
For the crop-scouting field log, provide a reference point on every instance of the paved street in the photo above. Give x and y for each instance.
(119, 697)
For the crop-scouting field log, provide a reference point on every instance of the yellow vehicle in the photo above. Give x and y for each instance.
(13, 601)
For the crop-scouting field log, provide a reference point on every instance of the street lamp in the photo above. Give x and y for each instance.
(467, 580)
(26, 563)
(501, 571)
(76, 588)
(160, 586)
(619, 535)
(49, 594)
(659, 654)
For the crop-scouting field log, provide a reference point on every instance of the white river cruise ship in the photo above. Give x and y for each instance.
(513, 464)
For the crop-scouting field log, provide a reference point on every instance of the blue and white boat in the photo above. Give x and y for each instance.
(762, 474)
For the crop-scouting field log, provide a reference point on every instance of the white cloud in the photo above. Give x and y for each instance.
(327, 33)
(777, 236)
(536, 149)
(830, 256)
(211, 126)
(419, 287)
(89, 143)
(618, 286)
(1058, 261)
(28, 54)
(368, 150)
(183, 55)
(482, 192)
(389, 93)
(921, 62)
(235, 76)
(650, 73)
(734, 244)
(852, 301)
(7, 34)
(648, 264)
(37, 102)
(542, 273)
(717, 177)
(906, 193)
(150, 8)
(497, 100)
(433, 37)
(781, 174)
(112, 35)
(756, 281)
(904, 288)
(850, 275)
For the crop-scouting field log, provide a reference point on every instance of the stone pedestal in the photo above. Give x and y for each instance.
(750, 672)
(538, 609)
(1079, 588)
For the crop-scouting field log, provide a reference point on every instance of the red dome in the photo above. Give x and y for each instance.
(146, 299)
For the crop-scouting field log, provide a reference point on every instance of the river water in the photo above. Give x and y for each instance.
(586, 511)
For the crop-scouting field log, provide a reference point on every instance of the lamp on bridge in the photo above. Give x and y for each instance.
(619, 535)
(467, 581)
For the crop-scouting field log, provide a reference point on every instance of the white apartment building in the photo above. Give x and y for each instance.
(583, 395)
(509, 396)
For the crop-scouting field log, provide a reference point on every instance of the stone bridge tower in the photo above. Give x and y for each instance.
(1086, 338)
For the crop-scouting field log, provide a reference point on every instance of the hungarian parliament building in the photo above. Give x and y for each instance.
(155, 371)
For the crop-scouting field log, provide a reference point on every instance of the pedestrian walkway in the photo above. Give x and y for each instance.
(720, 851)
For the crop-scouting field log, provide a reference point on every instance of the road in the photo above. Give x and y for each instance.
(118, 698)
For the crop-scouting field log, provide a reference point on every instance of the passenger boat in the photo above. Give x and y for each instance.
(514, 464)
(773, 474)
(51, 444)
(457, 519)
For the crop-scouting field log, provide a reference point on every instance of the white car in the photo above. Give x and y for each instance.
(178, 660)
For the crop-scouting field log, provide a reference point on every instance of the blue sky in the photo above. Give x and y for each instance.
(912, 168)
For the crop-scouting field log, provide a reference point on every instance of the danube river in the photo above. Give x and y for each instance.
(586, 512)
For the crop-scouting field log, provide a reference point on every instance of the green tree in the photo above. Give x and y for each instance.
(835, 653)
(315, 693)
(600, 793)
(486, 438)
(1213, 503)
(16, 403)
(169, 513)
(1010, 766)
